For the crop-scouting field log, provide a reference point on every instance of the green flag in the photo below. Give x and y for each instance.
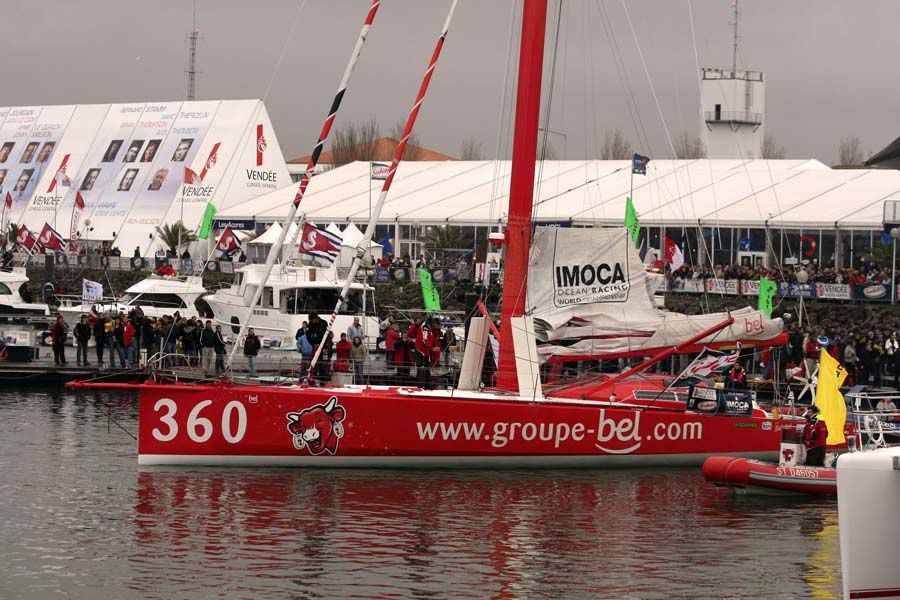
(206, 223)
(767, 289)
(631, 221)
(429, 294)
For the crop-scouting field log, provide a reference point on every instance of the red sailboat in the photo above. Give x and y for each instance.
(627, 419)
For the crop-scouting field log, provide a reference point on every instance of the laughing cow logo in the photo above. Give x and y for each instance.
(318, 428)
(788, 454)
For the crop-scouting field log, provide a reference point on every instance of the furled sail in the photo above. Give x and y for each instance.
(590, 295)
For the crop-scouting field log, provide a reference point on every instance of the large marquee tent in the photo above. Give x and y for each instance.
(127, 162)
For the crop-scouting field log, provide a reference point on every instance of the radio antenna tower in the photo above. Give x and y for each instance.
(734, 3)
(192, 60)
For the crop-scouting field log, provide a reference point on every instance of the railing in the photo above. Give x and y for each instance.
(733, 116)
(874, 424)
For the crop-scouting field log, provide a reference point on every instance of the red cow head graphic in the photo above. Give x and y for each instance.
(318, 428)
(788, 454)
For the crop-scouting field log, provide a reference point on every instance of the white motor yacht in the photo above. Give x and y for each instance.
(155, 295)
(16, 301)
(290, 295)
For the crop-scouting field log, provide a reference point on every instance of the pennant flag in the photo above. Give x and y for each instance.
(227, 245)
(674, 255)
(191, 178)
(76, 217)
(210, 160)
(707, 363)
(429, 294)
(25, 240)
(8, 200)
(631, 221)
(380, 171)
(320, 243)
(829, 398)
(206, 223)
(51, 239)
(767, 289)
(91, 292)
(639, 164)
(60, 178)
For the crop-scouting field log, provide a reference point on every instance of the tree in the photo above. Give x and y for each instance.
(174, 235)
(689, 146)
(470, 150)
(413, 145)
(439, 241)
(769, 149)
(615, 146)
(849, 152)
(355, 141)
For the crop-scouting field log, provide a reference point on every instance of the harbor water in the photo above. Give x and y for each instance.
(79, 519)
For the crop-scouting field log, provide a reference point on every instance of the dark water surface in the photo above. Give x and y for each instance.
(79, 519)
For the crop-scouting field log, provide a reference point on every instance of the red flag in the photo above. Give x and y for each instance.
(211, 160)
(191, 178)
(79, 201)
(674, 255)
(50, 238)
(25, 239)
(320, 243)
(227, 244)
(8, 200)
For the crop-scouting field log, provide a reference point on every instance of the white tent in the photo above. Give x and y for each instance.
(257, 248)
(724, 192)
(350, 237)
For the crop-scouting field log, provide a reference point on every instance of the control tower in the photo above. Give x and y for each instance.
(733, 104)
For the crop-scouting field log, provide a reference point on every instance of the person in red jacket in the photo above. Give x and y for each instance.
(815, 433)
(58, 333)
(428, 351)
(404, 357)
(342, 355)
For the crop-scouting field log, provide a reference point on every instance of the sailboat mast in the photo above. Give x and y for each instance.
(308, 173)
(363, 247)
(521, 189)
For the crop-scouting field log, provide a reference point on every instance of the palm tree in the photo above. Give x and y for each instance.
(175, 235)
(439, 240)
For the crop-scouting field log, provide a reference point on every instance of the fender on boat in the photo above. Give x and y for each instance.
(746, 474)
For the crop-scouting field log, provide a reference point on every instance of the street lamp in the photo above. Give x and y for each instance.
(895, 233)
(559, 133)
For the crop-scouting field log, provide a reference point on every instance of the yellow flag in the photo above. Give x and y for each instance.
(829, 398)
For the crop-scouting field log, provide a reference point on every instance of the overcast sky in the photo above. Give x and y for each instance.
(830, 65)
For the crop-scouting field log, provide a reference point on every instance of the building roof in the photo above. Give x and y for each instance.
(385, 148)
(887, 157)
(778, 193)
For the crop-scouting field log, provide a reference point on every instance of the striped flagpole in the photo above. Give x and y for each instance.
(363, 246)
(310, 167)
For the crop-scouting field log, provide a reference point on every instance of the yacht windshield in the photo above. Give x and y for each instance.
(302, 301)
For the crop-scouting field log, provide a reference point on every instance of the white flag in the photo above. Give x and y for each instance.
(91, 291)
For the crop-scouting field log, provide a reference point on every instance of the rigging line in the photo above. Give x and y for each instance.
(362, 247)
(503, 116)
(300, 5)
(623, 75)
(548, 108)
(307, 174)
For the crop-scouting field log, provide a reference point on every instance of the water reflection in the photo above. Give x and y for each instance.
(79, 519)
(626, 534)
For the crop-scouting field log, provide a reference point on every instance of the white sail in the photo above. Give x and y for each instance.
(590, 295)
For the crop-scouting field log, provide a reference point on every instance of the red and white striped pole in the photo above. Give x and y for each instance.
(363, 246)
(310, 167)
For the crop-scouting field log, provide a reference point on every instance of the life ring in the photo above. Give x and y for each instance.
(62, 260)
(212, 266)
(83, 260)
(104, 262)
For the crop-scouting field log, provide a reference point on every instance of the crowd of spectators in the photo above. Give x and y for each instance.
(862, 275)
